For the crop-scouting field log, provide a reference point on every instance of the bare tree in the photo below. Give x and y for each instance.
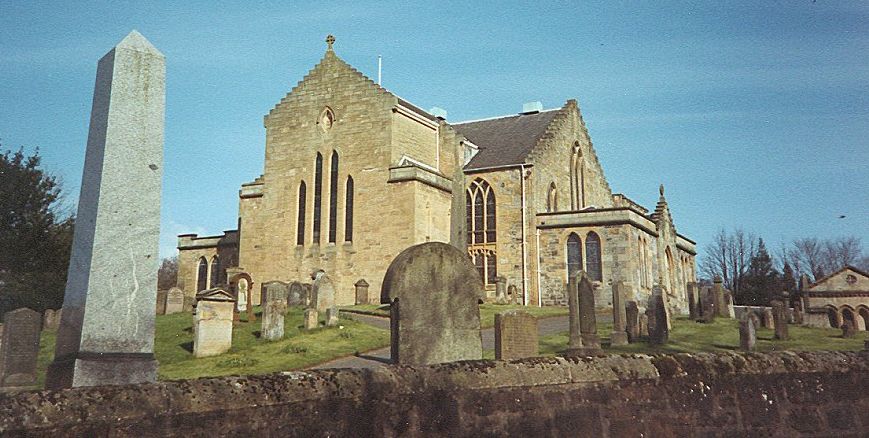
(728, 256)
(842, 251)
(807, 255)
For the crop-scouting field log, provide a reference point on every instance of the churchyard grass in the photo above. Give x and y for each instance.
(487, 311)
(249, 354)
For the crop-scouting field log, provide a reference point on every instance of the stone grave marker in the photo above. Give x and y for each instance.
(174, 301)
(161, 301)
(718, 296)
(513, 294)
(296, 294)
(693, 301)
(501, 290)
(433, 290)
(632, 318)
(798, 312)
(707, 305)
(274, 309)
(515, 335)
(361, 291)
(311, 319)
(659, 332)
(729, 311)
(331, 316)
(19, 349)
(848, 330)
(212, 333)
(747, 334)
(780, 317)
(766, 318)
(107, 330)
(587, 318)
(307, 294)
(322, 292)
(644, 324)
(619, 334)
(575, 336)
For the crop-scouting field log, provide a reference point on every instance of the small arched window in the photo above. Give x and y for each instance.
(348, 210)
(215, 271)
(333, 198)
(593, 257)
(300, 221)
(574, 255)
(202, 275)
(318, 196)
(552, 198)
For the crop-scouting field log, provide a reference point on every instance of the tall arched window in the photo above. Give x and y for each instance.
(300, 222)
(333, 198)
(348, 210)
(481, 222)
(552, 198)
(593, 257)
(577, 183)
(318, 195)
(202, 275)
(574, 255)
(215, 272)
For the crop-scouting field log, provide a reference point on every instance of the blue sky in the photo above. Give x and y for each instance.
(752, 114)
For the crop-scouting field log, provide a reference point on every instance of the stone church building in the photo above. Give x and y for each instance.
(354, 174)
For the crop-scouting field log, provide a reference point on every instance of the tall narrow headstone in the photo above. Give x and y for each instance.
(729, 311)
(632, 315)
(718, 296)
(798, 313)
(515, 335)
(574, 335)
(619, 336)
(322, 292)
(274, 309)
(433, 290)
(587, 318)
(501, 290)
(107, 329)
(659, 332)
(361, 291)
(747, 334)
(693, 302)
(780, 318)
(19, 349)
(707, 304)
(767, 319)
(161, 301)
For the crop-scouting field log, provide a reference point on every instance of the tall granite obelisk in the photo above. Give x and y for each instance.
(106, 334)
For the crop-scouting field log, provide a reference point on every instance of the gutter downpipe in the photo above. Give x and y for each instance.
(524, 248)
(539, 294)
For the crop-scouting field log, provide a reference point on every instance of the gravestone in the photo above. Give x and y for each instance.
(574, 334)
(501, 290)
(513, 294)
(587, 318)
(729, 311)
(644, 325)
(311, 319)
(747, 334)
(296, 294)
(189, 302)
(161, 301)
(331, 316)
(107, 330)
(693, 301)
(515, 335)
(798, 313)
(174, 301)
(307, 289)
(779, 315)
(19, 349)
(766, 318)
(212, 332)
(322, 292)
(752, 316)
(659, 331)
(51, 319)
(433, 290)
(719, 297)
(361, 291)
(848, 330)
(632, 317)
(658, 290)
(619, 336)
(274, 308)
(707, 305)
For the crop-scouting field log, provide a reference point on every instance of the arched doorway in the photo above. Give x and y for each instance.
(849, 317)
(863, 318)
(833, 316)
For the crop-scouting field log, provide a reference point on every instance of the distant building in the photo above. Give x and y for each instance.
(354, 174)
(839, 297)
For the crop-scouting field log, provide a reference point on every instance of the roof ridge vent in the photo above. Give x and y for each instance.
(532, 107)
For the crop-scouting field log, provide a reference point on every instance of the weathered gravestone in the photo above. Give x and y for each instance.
(501, 290)
(161, 301)
(766, 318)
(274, 308)
(107, 330)
(619, 336)
(780, 318)
(513, 294)
(693, 301)
(707, 305)
(361, 291)
(296, 294)
(322, 292)
(644, 324)
(798, 313)
(51, 319)
(632, 317)
(311, 319)
(515, 335)
(729, 311)
(587, 318)
(747, 334)
(659, 331)
(719, 297)
(212, 322)
(19, 349)
(332, 316)
(433, 290)
(574, 335)
(174, 301)
(848, 329)
(307, 294)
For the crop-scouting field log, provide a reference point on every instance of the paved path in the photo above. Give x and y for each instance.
(381, 356)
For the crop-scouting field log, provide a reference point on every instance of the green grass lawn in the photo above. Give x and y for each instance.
(249, 354)
(487, 311)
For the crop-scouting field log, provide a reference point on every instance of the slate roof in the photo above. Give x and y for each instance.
(505, 140)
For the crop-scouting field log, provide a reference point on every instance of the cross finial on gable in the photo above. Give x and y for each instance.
(329, 41)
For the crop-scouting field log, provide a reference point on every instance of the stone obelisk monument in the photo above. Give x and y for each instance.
(106, 335)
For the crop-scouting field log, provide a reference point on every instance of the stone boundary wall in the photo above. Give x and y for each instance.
(733, 394)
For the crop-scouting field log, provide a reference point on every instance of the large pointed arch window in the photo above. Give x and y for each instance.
(593, 257)
(202, 275)
(574, 255)
(333, 198)
(318, 196)
(300, 221)
(215, 271)
(481, 223)
(348, 210)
